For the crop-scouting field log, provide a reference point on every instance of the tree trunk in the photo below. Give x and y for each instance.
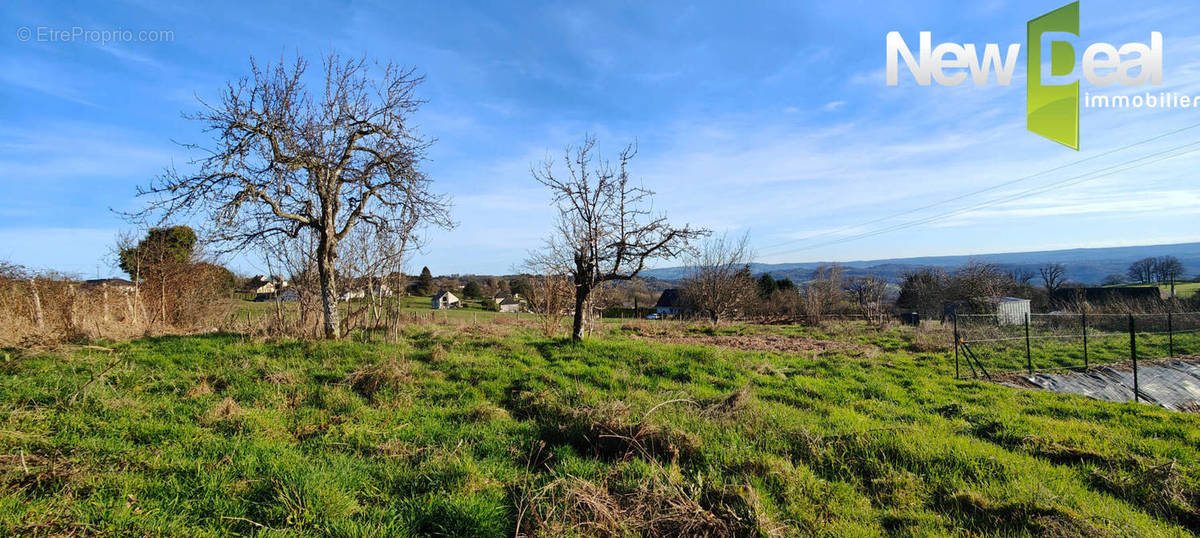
(325, 269)
(581, 294)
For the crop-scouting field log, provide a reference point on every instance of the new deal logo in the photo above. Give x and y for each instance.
(1053, 97)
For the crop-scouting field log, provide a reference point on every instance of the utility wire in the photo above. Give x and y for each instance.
(986, 189)
(1103, 172)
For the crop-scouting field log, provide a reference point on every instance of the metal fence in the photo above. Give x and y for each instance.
(987, 346)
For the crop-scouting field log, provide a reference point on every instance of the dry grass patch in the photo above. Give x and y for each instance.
(485, 412)
(742, 342)
(281, 378)
(226, 409)
(368, 380)
(657, 507)
(200, 389)
(731, 405)
(609, 431)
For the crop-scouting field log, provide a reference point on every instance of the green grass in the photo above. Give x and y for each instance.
(471, 431)
(1183, 290)
(419, 307)
(1056, 342)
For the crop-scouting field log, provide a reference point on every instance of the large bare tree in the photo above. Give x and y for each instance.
(286, 160)
(1054, 275)
(606, 230)
(1143, 271)
(719, 283)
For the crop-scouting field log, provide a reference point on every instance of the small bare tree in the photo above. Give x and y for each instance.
(1022, 276)
(1054, 275)
(868, 292)
(606, 230)
(287, 161)
(719, 283)
(548, 292)
(822, 294)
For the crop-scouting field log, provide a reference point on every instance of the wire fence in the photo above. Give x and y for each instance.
(990, 346)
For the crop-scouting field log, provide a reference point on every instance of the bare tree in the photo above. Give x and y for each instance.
(1168, 268)
(296, 258)
(1022, 276)
(976, 281)
(548, 291)
(1143, 271)
(1054, 275)
(606, 230)
(822, 294)
(924, 291)
(868, 292)
(286, 160)
(719, 283)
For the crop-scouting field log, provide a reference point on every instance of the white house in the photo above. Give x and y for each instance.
(445, 300)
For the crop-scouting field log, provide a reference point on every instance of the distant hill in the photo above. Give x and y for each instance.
(1084, 265)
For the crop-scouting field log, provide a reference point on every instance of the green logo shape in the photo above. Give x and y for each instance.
(1053, 111)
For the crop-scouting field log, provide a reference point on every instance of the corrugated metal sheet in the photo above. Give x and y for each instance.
(1012, 311)
(1172, 384)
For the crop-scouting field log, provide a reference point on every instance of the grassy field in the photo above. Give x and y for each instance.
(651, 429)
(1057, 342)
(418, 307)
(1183, 290)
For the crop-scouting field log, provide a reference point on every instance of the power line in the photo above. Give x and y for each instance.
(1103, 172)
(986, 189)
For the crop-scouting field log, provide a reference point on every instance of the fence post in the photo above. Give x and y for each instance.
(1170, 336)
(1028, 352)
(1133, 357)
(38, 316)
(955, 318)
(1085, 342)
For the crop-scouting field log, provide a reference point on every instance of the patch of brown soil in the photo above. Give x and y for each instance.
(755, 342)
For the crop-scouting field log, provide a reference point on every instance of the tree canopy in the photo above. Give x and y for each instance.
(166, 245)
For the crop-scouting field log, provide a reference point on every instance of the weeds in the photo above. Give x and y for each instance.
(487, 432)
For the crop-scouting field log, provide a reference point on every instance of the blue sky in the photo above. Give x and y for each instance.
(771, 118)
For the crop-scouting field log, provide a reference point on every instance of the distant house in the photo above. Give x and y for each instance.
(358, 290)
(1008, 310)
(115, 284)
(502, 296)
(670, 303)
(260, 285)
(1102, 296)
(444, 300)
(508, 304)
